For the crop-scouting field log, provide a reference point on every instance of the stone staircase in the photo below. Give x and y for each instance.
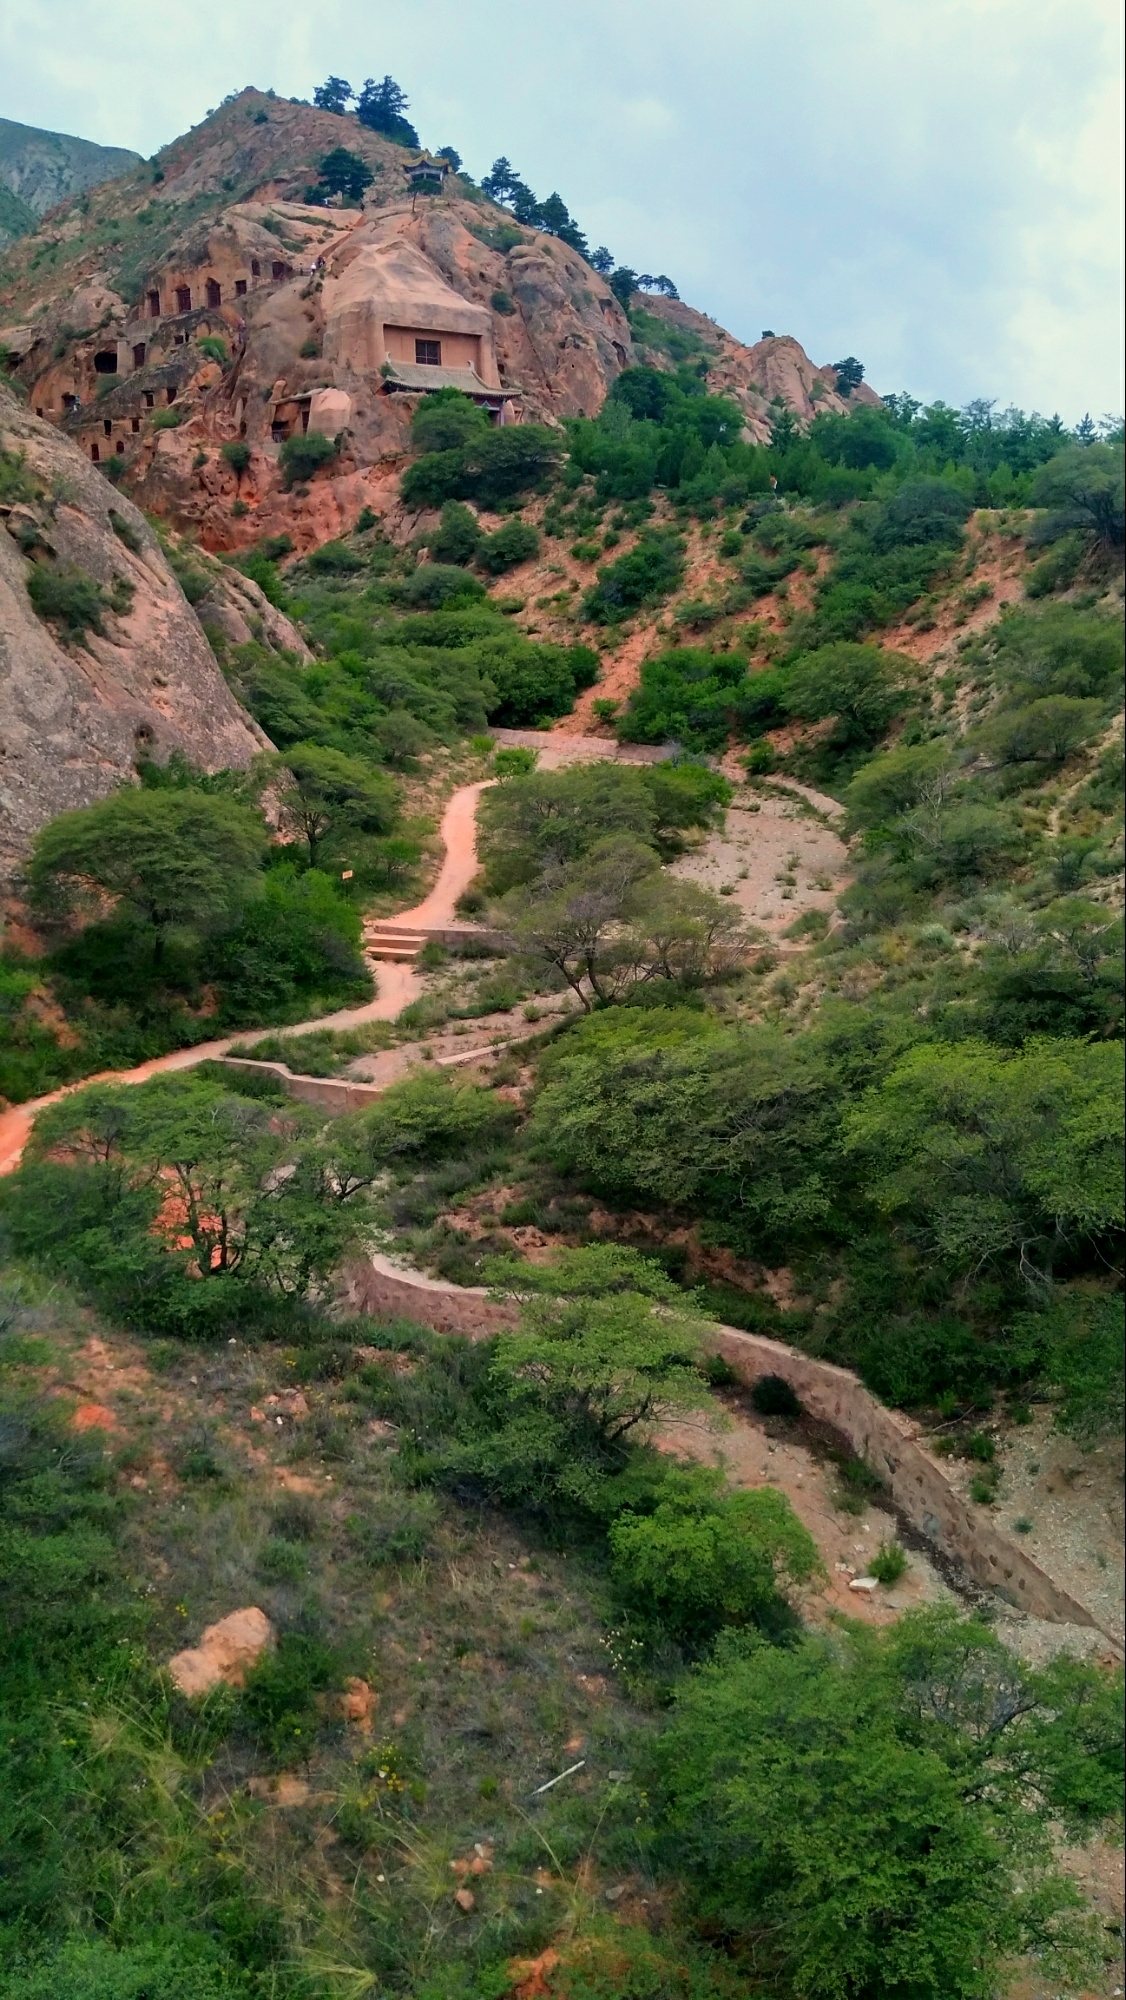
(390, 940)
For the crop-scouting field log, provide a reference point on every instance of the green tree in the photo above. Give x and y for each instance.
(382, 107)
(1049, 728)
(331, 798)
(445, 420)
(335, 94)
(516, 542)
(862, 686)
(604, 1350)
(898, 780)
(168, 858)
(870, 1817)
(551, 819)
(345, 173)
(1083, 488)
(212, 1162)
(457, 537)
(304, 454)
(645, 575)
(989, 1156)
(849, 374)
(664, 1106)
(576, 920)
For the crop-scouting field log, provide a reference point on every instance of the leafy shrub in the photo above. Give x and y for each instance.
(515, 543)
(772, 1396)
(303, 455)
(167, 420)
(282, 1561)
(125, 531)
(646, 575)
(920, 512)
(489, 466)
(457, 536)
(68, 598)
(236, 453)
(702, 1561)
(888, 1564)
(214, 348)
(853, 1852)
(335, 559)
(436, 585)
(278, 1702)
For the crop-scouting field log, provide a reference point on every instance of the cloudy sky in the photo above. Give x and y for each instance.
(933, 185)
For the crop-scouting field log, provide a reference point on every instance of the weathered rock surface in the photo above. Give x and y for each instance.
(775, 370)
(226, 1652)
(74, 715)
(259, 315)
(41, 169)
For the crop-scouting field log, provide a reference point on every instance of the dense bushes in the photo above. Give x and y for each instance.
(547, 820)
(845, 1818)
(304, 454)
(649, 572)
(954, 1179)
(488, 466)
(167, 926)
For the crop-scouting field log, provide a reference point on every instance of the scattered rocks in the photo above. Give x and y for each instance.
(358, 1704)
(225, 1652)
(93, 1417)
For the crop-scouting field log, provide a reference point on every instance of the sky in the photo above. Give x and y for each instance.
(931, 185)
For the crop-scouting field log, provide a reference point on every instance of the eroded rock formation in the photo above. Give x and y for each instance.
(76, 711)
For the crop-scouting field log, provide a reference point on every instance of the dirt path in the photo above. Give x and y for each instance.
(398, 984)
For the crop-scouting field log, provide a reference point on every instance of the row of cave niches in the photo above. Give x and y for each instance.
(213, 292)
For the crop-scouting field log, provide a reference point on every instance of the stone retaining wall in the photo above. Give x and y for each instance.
(918, 1485)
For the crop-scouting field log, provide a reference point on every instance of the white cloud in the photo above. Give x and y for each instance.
(934, 187)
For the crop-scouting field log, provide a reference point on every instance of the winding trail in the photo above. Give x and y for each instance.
(398, 984)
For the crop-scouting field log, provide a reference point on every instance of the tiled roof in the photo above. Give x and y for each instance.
(401, 375)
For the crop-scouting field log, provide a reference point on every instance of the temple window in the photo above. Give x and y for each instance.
(428, 353)
(139, 353)
(107, 426)
(94, 452)
(154, 305)
(240, 288)
(214, 293)
(280, 270)
(150, 400)
(135, 424)
(105, 363)
(170, 394)
(255, 268)
(121, 444)
(183, 298)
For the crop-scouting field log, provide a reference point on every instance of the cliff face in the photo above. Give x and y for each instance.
(313, 309)
(40, 169)
(76, 711)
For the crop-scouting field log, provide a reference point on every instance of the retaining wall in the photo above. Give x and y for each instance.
(339, 1094)
(918, 1485)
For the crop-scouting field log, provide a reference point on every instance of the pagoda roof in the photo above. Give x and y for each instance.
(402, 375)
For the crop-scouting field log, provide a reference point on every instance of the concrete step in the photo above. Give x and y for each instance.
(384, 941)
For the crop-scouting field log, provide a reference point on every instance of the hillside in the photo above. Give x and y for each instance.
(561, 1197)
(38, 170)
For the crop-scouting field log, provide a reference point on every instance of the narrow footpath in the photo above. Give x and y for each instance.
(397, 983)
